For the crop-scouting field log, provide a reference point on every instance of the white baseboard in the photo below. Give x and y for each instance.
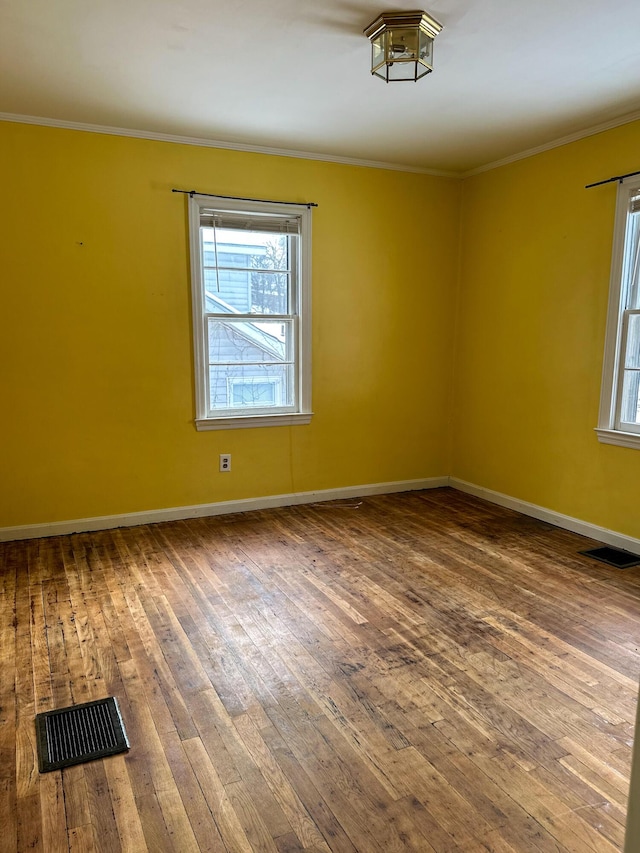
(575, 525)
(107, 522)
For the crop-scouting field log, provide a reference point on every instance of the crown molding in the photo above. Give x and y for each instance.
(556, 143)
(201, 142)
(217, 143)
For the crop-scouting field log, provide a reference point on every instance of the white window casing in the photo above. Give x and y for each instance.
(619, 419)
(251, 300)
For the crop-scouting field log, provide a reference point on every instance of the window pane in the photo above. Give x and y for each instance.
(226, 291)
(246, 271)
(260, 341)
(630, 404)
(632, 262)
(258, 391)
(630, 411)
(269, 293)
(632, 353)
(238, 386)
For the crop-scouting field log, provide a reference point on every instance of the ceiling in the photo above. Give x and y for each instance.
(509, 75)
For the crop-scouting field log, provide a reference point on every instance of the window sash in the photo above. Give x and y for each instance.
(291, 270)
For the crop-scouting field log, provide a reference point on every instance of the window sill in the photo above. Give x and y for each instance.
(621, 439)
(251, 421)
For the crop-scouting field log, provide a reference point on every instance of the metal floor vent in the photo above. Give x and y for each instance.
(79, 733)
(614, 557)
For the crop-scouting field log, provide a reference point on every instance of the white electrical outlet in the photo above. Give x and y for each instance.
(225, 461)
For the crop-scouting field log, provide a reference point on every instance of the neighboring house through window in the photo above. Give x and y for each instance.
(619, 421)
(251, 308)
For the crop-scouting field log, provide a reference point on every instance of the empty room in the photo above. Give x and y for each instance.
(320, 447)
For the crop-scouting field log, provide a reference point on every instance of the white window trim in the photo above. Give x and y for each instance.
(607, 430)
(302, 305)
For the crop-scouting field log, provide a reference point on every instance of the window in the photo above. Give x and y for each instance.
(620, 401)
(251, 310)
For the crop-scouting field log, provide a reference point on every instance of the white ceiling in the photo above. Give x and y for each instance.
(509, 75)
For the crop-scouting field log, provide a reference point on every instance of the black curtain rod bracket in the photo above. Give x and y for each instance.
(191, 193)
(611, 180)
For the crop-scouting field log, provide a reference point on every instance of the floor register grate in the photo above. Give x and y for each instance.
(80, 733)
(614, 557)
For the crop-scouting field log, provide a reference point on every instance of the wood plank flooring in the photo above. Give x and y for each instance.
(419, 672)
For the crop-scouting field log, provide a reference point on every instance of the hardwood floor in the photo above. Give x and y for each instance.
(416, 672)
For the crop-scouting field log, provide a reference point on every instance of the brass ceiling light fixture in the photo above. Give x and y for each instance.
(402, 45)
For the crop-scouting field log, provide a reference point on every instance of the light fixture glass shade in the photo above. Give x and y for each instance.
(402, 45)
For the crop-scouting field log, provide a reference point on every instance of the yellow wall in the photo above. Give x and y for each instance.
(96, 380)
(534, 282)
(95, 341)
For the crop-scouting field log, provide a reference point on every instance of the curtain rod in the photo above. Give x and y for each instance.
(240, 198)
(610, 180)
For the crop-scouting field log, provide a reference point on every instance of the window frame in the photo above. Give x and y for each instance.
(300, 310)
(611, 429)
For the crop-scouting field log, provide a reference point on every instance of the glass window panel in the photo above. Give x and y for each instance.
(235, 248)
(227, 291)
(259, 392)
(232, 341)
(255, 386)
(632, 352)
(632, 262)
(252, 275)
(269, 293)
(630, 411)
(240, 258)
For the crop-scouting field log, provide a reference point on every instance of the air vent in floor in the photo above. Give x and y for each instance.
(79, 733)
(614, 557)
